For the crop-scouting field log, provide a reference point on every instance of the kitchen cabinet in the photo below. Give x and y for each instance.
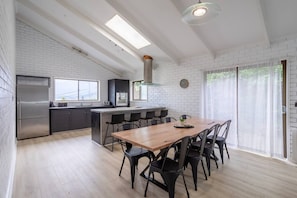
(63, 119)
(59, 120)
(118, 86)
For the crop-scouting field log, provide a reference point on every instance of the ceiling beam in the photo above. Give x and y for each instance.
(100, 29)
(72, 31)
(262, 21)
(146, 31)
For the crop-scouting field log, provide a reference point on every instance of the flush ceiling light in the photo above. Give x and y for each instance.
(127, 32)
(200, 13)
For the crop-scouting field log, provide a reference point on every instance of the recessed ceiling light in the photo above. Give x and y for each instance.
(127, 32)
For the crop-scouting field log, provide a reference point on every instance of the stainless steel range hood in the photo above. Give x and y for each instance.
(148, 69)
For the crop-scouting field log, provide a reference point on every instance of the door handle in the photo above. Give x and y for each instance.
(284, 109)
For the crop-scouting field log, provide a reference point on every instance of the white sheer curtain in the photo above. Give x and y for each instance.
(220, 99)
(260, 109)
(252, 98)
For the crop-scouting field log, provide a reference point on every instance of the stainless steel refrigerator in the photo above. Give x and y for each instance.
(32, 106)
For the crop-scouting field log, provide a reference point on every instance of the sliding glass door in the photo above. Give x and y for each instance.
(252, 98)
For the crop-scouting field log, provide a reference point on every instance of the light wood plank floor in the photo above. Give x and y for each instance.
(69, 164)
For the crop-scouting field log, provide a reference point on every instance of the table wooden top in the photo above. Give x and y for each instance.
(160, 136)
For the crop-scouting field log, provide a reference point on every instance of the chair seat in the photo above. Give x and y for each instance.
(137, 152)
(169, 166)
(197, 145)
(219, 138)
(193, 154)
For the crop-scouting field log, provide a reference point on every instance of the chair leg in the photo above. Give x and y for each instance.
(132, 170)
(208, 163)
(106, 134)
(194, 166)
(185, 185)
(122, 165)
(221, 152)
(112, 139)
(170, 180)
(215, 157)
(203, 169)
(227, 151)
(147, 183)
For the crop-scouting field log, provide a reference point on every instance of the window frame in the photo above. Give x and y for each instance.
(133, 93)
(78, 94)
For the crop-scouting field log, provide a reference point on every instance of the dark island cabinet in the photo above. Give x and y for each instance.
(69, 119)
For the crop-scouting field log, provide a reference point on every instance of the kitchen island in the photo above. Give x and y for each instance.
(101, 116)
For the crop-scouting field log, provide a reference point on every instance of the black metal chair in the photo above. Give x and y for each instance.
(169, 168)
(154, 122)
(208, 151)
(221, 139)
(148, 116)
(184, 116)
(116, 119)
(133, 154)
(163, 114)
(169, 119)
(134, 117)
(195, 155)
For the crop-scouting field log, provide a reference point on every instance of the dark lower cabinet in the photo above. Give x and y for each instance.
(59, 120)
(69, 119)
(96, 127)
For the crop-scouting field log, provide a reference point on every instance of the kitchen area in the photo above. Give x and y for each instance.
(38, 116)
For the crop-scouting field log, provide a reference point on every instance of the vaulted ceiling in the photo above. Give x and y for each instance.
(80, 25)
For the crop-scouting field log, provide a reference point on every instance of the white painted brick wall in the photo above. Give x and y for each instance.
(7, 97)
(39, 55)
(189, 100)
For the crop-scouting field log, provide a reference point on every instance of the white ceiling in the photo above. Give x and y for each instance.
(81, 24)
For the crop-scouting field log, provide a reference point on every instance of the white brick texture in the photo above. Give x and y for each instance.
(7, 97)
(189, 100)
(39, 55)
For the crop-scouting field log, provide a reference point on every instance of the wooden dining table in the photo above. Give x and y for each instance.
(160, 136)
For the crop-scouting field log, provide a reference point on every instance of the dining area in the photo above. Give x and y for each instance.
(172, 147)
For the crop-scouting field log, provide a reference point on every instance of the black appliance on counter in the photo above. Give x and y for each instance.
(119, 92)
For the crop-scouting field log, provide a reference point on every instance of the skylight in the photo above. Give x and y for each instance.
(127, 32)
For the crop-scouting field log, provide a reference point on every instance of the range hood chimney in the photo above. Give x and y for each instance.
(147, 70)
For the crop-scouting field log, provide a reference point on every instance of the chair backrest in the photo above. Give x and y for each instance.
(135, 117)
(163, 113)
(126, 126)
(202, 136)
(184, 147)
(117, 118)
(184, 116)
(150, 115)
(215, 131)
(224, 129)
(169, 119)
(154, 122)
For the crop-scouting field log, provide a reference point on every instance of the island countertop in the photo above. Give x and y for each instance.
(124, 109)
(101, 116)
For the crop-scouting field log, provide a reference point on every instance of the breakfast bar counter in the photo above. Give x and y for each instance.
(101, 116)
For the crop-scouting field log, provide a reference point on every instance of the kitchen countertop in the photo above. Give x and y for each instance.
(82, 107)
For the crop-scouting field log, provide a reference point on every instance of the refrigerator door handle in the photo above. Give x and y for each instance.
(19, 109)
